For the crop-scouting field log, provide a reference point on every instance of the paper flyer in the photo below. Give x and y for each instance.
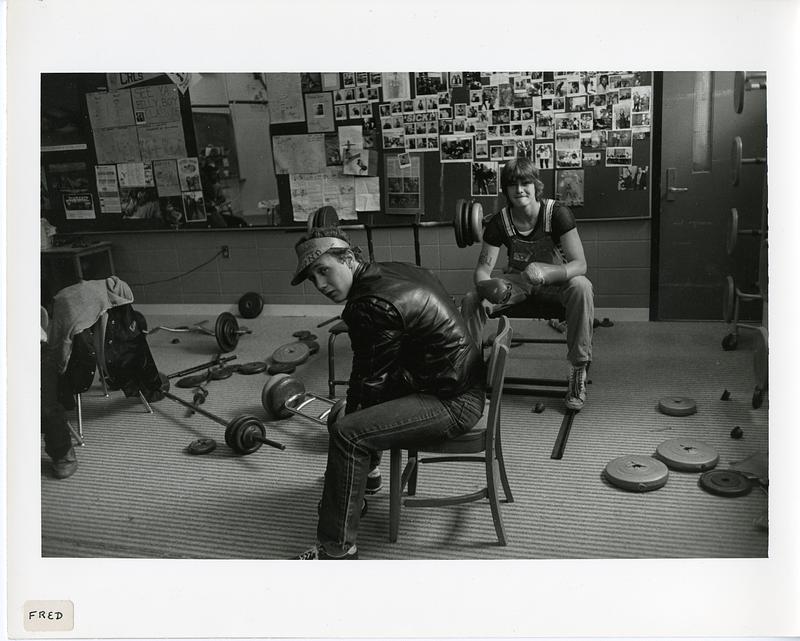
(194, 206)
(165, 173)
(189, 176)
(155, 104)
(396, 86)
(306, 191)
(319, 112)
(285, 97)
(110, 109)
(131, 174)
(368, 194)
(162, 140)
(299, 154)
(340, 194)
(107, 189)
(78, 205)
(116, 145)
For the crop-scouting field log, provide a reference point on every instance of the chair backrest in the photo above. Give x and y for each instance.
(496, 380)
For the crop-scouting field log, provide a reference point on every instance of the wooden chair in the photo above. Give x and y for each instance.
(479, 445)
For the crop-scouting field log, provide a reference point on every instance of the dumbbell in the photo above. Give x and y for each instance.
(244, 434)
(734, 231)
(746, 81)
(737, 160)
(284, 395)
(467, 222)
(226, 331)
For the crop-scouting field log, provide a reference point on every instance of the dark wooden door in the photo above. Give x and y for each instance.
(699, 123)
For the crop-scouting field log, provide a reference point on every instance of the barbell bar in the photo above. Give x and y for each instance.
(202, 366)
(244, 434)
(734, 232)
(746, 81)
(737, 160)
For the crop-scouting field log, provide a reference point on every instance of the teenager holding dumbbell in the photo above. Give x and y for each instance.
(545, 262)
(417, 375)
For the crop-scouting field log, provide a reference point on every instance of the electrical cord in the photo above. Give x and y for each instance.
(166, 280)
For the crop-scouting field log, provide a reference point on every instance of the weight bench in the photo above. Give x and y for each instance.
(542, 308)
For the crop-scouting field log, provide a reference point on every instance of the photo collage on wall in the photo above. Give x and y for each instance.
(562, 120)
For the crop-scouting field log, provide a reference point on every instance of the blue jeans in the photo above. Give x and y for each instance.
(577, 297)
(355, 439)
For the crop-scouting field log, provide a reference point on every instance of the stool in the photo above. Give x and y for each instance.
(333, 333)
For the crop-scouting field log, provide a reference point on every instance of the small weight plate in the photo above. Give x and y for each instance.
(733, 231)
(249, 428)
(728, 298)
(220, 373)
(202, 446)
(637, 473)
(301, 334)
(256, 367)
(226, 331)
(277, 368)
(736, 160)
(687, 455)
(725, 483)
(251, 304)
(313, 346)
(677, 406)
(187, 382)
(291, 354)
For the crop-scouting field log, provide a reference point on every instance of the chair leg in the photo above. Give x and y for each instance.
(412, 479)
(395, 490)
(331, 367)
(145, 403)
(491, 491)
(80, 414)
(501, 465)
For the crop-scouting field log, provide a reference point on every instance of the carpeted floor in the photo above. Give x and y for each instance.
(138, 494)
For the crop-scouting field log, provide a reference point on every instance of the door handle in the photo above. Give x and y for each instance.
(671, 188)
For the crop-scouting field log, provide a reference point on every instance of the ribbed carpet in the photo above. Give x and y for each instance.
(137, 493)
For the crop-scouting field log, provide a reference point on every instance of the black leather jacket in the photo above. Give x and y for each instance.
(128, 359)
(407, 336)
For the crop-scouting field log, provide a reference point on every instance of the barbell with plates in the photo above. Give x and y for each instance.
(244, 434)
(734, 232)
(226, 331)
(284, 395)
(746, 81)
(467, 223)
(202, 366)
(737, 160)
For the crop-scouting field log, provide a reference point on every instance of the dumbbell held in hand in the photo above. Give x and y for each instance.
(495, 290)
(544, 274)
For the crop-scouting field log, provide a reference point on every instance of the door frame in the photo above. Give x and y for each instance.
(655, 191)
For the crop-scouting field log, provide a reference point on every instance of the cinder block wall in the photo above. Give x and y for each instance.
(262, 260)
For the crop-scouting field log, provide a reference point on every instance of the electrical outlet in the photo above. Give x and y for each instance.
(226, 252)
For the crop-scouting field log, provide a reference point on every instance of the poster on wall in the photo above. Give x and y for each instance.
(299, 154)
(319, 112)
(396, 86)
(569, 187)
(154, 104)
(285, 97)
(107, 189)
(368, 194)
(110, 109)
(484, 179)
(404, 185)
(117, 144)
(78, 205)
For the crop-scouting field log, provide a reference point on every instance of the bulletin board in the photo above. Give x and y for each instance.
(382, 148)
(118, 152)
(449, 133)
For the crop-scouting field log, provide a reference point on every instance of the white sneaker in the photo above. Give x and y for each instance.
(576, 392)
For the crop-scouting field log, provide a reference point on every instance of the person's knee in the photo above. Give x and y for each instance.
(580, 286)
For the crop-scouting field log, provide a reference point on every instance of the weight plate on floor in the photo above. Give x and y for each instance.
(301, 334)
(202, 446)
(278, 368)
(277, 391)
(313, 346)
(687, 455)
(637, 473)
(677, 406)
(187, 382)
(230, 431)
(725, 483)
(291, 354)
(220, 373)
(226, 331)
(244, 440)
(256, 367)
(251, 304)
